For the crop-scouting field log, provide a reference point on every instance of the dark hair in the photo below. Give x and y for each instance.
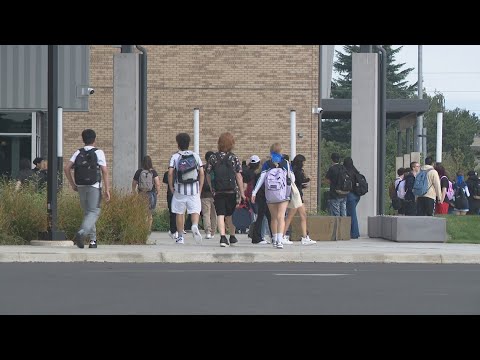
(348, 163)
(472, 173)
(183, 141)
(286, 157)
(147, 163)
(335, 157)
(37, 160)
(208, 154)
(412, 164)
(298, 161)
(441, 170)
(24, 164)
(244, 163)
(401, 171)
(429, 160)
(254, 166)
(88, 136)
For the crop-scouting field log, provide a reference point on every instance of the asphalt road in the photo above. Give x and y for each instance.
(305, 288)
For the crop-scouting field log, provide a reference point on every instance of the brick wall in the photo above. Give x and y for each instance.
(247, 90)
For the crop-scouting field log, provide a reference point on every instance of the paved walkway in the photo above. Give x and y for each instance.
(162, 249)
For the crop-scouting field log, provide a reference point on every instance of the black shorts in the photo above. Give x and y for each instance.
(225, 203)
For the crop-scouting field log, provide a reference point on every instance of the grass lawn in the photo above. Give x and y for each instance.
(463, 229)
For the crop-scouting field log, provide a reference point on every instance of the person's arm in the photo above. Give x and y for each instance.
(67, 169)
(106, 181)
(436, 185)
(157, 184)
(170, 180)
(201, 175)
(239, 178)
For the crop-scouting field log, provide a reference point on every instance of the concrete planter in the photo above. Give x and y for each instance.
(323, 228)
(408, 228)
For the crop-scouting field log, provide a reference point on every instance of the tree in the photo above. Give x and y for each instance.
(397, 87)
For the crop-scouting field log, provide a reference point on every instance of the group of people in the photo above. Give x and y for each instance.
(36, 176)
(442, 196)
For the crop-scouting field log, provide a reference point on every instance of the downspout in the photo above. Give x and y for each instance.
(143, 107)
(382, 128)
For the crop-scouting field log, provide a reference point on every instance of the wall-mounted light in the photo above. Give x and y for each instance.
(300, 135)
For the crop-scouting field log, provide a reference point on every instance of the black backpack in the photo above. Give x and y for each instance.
(409, 182)
(344, 181)
(361, 186)
(476, 189)
(461, 201)
(87, 171)
(224, 175)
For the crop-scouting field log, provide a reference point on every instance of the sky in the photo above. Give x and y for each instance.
(454, 70)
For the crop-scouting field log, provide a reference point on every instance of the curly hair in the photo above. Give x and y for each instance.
(226, 142)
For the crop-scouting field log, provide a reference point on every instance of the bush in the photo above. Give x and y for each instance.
(161, 220)
(23, 214)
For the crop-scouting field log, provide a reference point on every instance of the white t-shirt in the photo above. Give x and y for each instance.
(185, 189)
(101, 161)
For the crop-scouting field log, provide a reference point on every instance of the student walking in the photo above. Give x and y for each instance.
(209, 214)
(352, 198)
(90, 167)
(147, 183)
(185, 180)
(226, 171)
(277, 191)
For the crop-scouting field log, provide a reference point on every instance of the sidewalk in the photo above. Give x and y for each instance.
(164, 250)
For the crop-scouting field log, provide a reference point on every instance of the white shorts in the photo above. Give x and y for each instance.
(191, 203)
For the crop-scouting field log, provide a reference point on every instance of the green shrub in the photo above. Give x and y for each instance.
(161, 220)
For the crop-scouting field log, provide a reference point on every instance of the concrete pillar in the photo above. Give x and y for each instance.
(414, 156)
(125, 120)
(398, 163)
(365, 130)
(406, 160)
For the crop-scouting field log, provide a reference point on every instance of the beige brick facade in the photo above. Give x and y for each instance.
(248, 90)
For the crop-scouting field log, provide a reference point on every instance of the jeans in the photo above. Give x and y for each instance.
(90, 198)
(337, 207)
(352, 201)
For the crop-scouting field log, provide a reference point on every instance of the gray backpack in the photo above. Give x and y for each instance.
(145, 181)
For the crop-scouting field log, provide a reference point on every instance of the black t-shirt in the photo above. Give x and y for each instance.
(332, 175)
(136, 177)
(25, 175)
(165, 181)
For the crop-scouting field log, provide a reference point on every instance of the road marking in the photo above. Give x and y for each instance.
(313, 274)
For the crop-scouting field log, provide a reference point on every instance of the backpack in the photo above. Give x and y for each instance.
(361, 186)
(450, 191)
(145, 181)
(187, 169)
(87, 171)
(420, 188)
(476, 189)
(461, 201)
(224, 178)
(344, 181)
(409, 182)
(277, 188)
(396, 201)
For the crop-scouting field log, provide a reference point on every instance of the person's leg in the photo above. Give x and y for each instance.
(172, 215)
(334, 207)
(231, 204)
(420, 206)
(343, 206)
(179, 205)
(352, 201)
(274, 222)
(206, 215)
(288, 220)
(257, 229)
(213, 217)
(429, 206)
(90, 198)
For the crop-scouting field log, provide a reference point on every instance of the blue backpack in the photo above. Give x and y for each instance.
(420, 188)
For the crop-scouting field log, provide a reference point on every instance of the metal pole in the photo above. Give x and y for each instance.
(319, 131)
(382, 128)
(196, 130)
(408, 140)
(143, 118)
(399, 144)
(52, 232)
(419, 127)
(293, 134)
(438, 158)
(424, 143)
(60, 146)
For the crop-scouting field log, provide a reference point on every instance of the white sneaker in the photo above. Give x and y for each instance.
(307, 241)
(267, 239)
(196, 234)
(279, 245)
(209, 236)
(180, 240)
(184, 232)
(174, 235)
(263, 242)
(286, 240)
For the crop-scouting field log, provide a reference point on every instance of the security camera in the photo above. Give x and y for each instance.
(91, 91)
(317, 110)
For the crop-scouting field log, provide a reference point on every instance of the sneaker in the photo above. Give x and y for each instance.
(196, 234)
(286, 240)
(224, 241)
(307, 241)
(184, 232)
(279, 245)
(78, 240)
(174, 235)
(232, 240)
(263, 242)
(209, 236)
(268, 239)
(179, 240)
(92, 245)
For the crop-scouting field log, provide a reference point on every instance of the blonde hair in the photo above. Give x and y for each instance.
(276, 147)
